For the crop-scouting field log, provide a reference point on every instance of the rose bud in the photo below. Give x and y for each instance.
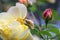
(47, 14)
(23, 2)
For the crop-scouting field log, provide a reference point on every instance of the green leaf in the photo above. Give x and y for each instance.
(41, 0)
(45, 33)
(54, 30)
(41, 3)
(33, 31)
(58, 37)
(48, 26)
(55, 15)
(40, 13)
(33, 8)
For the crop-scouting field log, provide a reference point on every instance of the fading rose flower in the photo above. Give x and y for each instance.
(47, 13)
(30, 23)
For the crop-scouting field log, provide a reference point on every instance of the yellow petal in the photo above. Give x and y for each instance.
(13, 11)
(5, 18)
(19, 11)
(22, 10)
(17, 29)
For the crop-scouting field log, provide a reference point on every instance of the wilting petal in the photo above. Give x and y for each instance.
(30, 23)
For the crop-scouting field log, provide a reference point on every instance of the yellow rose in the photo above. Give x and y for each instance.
(12, 25)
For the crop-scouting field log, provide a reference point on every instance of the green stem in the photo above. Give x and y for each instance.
(46, 28)
(46, 23)
(47, 37)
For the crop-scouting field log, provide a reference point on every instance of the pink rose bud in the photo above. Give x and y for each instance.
(47, 13)
(23, 1)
